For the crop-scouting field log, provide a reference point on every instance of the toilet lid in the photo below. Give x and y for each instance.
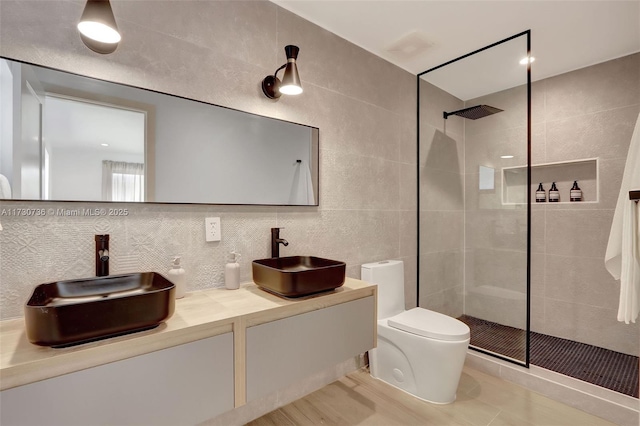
(430, 324)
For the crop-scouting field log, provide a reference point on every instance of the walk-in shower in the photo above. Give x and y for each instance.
(474, 121)
(482, 245)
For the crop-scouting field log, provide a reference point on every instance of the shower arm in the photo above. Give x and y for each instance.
(473, 112)
(446, 114)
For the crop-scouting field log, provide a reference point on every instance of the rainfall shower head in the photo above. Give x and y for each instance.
(473, 112)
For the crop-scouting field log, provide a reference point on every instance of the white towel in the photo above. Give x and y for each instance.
(5, 188)
(308, 185)
(302, 186)
(622, 258)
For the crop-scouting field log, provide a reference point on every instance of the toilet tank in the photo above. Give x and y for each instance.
(389, 276)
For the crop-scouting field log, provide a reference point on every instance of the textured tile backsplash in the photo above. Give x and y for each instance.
(218, 52)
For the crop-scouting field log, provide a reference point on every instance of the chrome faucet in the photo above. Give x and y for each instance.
(276, 241)
(102, 255)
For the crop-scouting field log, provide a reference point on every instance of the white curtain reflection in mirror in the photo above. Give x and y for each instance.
(5, 188)
(122, 181)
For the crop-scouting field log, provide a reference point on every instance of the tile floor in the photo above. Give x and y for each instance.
(483, 400)
(599, 366)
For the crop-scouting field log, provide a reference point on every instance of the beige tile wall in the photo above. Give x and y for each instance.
(495, 233)
(587, 113)
(219, 52)
(441, 202)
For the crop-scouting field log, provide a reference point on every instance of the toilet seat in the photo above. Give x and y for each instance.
(430, 324)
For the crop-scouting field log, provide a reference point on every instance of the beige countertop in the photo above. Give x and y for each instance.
(198, 315)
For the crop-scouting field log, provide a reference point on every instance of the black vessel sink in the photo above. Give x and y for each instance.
(297, 276)
(65, 313)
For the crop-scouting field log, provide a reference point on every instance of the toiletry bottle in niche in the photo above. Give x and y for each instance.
(541, 196)
(176, 276)
(554, 194)
(576, 192)
(232, 272)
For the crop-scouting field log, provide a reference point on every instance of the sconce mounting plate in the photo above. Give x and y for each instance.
(270, 87)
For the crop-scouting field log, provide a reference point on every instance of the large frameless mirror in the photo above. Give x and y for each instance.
(474, 201)
(67, 137)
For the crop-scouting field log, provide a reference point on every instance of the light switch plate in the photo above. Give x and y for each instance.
(212, 229)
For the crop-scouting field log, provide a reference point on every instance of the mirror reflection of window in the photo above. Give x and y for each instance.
(122, 181)
(83, 133)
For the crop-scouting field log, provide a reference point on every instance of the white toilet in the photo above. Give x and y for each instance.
(419, 351)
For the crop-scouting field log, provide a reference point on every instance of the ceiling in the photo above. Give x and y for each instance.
(77, 125)
(418, 35)
(73, 123)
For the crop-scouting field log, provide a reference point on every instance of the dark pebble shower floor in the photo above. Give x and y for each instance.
(599, 366)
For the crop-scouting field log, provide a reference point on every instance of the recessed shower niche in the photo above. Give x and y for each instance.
(563, 173)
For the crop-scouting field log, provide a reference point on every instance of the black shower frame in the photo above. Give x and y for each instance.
(526, 33)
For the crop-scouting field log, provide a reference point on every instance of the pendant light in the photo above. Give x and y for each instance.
(97, 26)
(273, 88)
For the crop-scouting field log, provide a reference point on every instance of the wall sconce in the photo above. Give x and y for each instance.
(97, 26)
(290, 84)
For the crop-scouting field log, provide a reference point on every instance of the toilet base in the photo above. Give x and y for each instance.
(426, 368)
(416, 396)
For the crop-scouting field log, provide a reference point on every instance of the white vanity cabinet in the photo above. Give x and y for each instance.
(184, 384)
(219, 351)
(287, 350)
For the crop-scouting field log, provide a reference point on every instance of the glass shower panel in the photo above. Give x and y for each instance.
(474, 195)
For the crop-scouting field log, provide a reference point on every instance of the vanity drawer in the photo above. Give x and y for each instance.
(291, 349)
(185, 384)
